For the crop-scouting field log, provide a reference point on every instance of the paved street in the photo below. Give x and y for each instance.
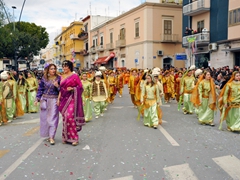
(119, 147)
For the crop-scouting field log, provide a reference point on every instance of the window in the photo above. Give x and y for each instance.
(93, 43)
(101, 43)
(86, 28)
(122, 34)
(200, 26)
(234, 17)
(136, 29)
(167, 27)
(111, 37)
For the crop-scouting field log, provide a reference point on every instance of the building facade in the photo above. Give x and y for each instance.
(144, 37)
(69, 46)
(213, 38)
(89, 23)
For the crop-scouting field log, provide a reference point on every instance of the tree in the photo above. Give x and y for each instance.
(28, 39)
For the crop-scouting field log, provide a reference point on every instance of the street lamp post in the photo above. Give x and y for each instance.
(14, 29)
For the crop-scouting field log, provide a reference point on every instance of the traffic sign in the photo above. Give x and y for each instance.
(42, 61)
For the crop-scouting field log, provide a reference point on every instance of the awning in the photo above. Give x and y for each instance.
(237, 49)
(112, 55)
(100, 60)
(104, 60)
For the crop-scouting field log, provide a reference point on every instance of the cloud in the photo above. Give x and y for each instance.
(53, 14)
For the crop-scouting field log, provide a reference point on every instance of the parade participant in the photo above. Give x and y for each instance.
(150, 100)
(111, 86)
(70, 104)
(86, 97)
(172, 82)
(197, 74)
(229, 101)
(133, 81)
(204, 98)
(3, 118)
(167, 86)
(120, 82)
(187, 86)
(21, 89)
(155, 74)
(104, 77)
(32, 86)
(13, 86)
(47, 95)
(126, 77)
(99, 94)
(8, 97)
(178, 85)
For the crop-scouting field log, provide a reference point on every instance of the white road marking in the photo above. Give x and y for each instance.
(26, 122)
(117, 107)
(124, 178)
(165, 105)
(10, 169)
(180, 172)
(168, 136)
(230, 164)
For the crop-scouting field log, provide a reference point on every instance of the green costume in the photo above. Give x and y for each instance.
(86, 97)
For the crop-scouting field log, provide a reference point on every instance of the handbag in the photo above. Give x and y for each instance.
(43, 102)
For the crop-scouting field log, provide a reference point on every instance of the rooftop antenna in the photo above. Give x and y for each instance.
(119, 7)
(90, 8)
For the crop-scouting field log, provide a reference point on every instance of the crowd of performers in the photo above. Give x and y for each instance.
(79, 96)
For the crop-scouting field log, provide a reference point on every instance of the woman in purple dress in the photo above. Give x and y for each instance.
(47, 95)
(70, 104)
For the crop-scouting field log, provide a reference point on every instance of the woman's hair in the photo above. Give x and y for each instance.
(144, 76)
(205, 73)
(69, 64)
(46, 72)
(152, 82)
(21, 81)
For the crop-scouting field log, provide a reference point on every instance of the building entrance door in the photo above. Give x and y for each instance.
(237, 59)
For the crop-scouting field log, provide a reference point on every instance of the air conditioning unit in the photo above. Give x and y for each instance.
(212, 47)
(160, 53)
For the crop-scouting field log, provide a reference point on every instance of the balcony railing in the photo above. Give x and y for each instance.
(93, 50)
(74, 36)
(83, 36)
(200, 38)
(62, 42)
(85, 52)
(100, 48)
(171, 38)
(121, 43)
(110, 46)
(196, 7)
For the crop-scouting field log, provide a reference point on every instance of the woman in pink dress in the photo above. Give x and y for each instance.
(70, 104)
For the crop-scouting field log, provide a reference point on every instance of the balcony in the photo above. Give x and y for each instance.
(83, 36)
(121, 43)
(85, 52)
(170, 38)
(110, 46)
(100, 48)
(196, 7)
(74, 37)
(93, 50)
(62, 42)
(202, 39)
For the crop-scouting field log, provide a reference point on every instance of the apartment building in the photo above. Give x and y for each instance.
(213, 25)
(144, 37)
(68, 44)
(89, 23)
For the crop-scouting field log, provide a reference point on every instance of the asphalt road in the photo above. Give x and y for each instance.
(119, 147)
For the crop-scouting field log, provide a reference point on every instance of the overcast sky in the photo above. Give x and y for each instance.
(53, 14)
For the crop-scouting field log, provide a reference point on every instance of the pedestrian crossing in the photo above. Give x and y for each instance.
(230, 164)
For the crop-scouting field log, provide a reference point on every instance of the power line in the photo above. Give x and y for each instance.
(5, 11)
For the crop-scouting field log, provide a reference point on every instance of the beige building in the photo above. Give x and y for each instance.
(144, 37)
(228, 53)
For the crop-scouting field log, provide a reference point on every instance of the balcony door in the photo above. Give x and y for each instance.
(122, 34)
(167, 30)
